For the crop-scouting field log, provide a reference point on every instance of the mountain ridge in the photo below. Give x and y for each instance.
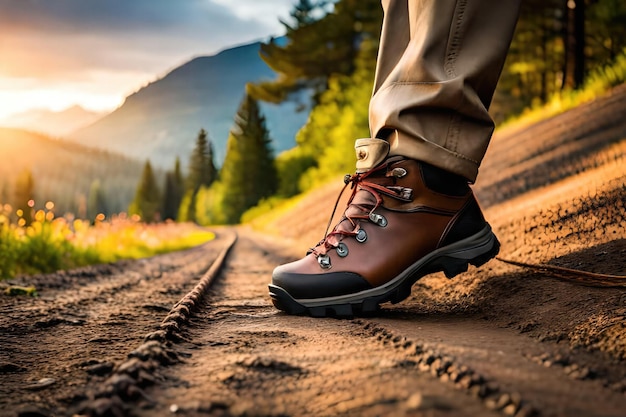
(50, 122)
(162, 119)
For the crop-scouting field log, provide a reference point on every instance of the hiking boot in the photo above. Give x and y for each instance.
(405, 219)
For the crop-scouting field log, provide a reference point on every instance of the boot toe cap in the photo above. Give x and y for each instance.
(302, 285)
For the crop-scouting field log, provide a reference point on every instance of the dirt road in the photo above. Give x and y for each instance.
(194, 333)
(248, 359)
(234, 354)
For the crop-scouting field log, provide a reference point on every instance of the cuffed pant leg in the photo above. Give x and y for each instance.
(438, 65)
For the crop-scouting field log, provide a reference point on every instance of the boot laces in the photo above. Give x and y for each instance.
(355, 213)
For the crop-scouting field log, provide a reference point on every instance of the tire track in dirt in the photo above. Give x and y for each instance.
(249, 359)
(142, 368)
(56, 347)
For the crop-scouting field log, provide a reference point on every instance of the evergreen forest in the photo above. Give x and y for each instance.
(77, 179)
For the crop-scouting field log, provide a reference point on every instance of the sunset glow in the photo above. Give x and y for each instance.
(99, 90)
(58, 55)
(56, 98)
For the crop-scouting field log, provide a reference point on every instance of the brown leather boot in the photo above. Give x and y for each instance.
(400, 224)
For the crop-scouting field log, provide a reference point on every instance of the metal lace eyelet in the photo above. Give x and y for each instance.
(379, 219)
(342, 250)
(324, 261)
(361, 236)
(398, 172)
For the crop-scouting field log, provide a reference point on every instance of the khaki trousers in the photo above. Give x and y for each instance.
(438, 65)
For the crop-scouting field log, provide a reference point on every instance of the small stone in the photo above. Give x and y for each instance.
(503, 401)
(516, 398)
(477, 379)
(41, 384)
(131, 366)
(406, 363)
(491, 403)
(510, 410)
(418, 401)
(454, 376)
(158, 335)
(479, 391)
(526, 411)
(582, 373)
(423, 367)
(174, 408)
(100, 369)
(386, 363)
(429, 358)
(465, 382)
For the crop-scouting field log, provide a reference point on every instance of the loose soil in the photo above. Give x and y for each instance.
(175, 334)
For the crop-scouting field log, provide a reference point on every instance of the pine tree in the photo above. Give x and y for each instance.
(319, 43)
(5, 195)
(574, 42)
(96, 202)
(202, 171)
(24, 196)
(173, 192)
(147, 200)
(248, 173)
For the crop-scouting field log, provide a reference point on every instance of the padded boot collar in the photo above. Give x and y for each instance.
(370, 152)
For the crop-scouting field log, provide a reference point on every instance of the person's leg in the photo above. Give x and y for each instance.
(438, 65)
(412, 212)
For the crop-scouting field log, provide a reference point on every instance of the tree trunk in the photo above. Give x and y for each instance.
(574, 42)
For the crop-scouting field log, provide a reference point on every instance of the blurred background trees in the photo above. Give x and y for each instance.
(147, 202)
(331, 51)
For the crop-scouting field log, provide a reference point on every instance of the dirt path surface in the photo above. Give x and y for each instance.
(55, 348)
(194, 333)
(248, 359)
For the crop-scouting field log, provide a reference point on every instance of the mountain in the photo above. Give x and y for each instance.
(162, 120)
(65, 172)
(53, 123)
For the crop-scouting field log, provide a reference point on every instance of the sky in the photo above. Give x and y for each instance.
(58, 53)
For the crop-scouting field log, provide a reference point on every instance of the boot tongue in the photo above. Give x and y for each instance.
(363, 198)
(370, 152)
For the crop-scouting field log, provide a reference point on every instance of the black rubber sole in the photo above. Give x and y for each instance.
(449, 264)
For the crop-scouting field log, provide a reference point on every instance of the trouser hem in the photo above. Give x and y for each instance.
(434, 154)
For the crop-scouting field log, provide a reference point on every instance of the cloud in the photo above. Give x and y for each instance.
(50, 38)
(109, 16)
(55, 53)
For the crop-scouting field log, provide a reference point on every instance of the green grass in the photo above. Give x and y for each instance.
(599, 82)
(49, 244)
